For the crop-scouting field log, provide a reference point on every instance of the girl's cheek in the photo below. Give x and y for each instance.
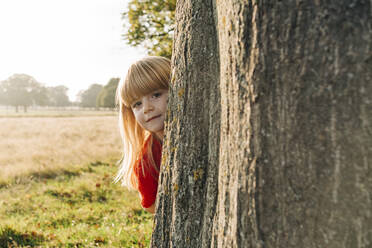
(136, 115)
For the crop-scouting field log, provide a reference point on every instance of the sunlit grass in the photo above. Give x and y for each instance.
(56, 185)
(44, 112)
(83, 209)
(33, 147)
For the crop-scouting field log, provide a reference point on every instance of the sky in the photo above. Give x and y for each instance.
(74, 43)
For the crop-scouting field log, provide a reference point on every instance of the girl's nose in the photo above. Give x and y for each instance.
(147, 106)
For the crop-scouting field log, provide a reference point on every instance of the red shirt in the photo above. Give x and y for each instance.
(148, 176)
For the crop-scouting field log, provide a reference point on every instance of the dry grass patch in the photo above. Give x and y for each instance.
(38, 145)
(50, 112)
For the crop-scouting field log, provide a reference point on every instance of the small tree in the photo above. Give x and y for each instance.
(89, 96)
(58, 96)
(40, 96)
(106, 98)
(2, 95)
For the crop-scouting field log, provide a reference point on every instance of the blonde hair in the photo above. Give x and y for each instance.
(143, 77)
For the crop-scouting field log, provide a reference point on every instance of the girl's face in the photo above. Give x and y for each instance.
(150, 110)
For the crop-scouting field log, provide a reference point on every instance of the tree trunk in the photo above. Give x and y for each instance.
(186, 201)
(293, 141)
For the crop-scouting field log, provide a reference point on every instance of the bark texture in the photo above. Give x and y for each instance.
(297, 92)
(269, 135)
(187, 193)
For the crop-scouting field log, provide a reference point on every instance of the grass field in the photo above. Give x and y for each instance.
(36, 146)
(56, 185)
(79, 209)
(10, 112)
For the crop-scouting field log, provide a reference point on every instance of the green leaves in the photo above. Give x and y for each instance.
(150, 23)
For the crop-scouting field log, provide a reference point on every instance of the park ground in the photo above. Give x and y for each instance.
(57, 184)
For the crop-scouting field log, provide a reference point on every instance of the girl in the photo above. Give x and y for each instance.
(142, 98)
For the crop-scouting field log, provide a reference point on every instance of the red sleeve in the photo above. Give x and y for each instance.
(148, 178)
(147, 187)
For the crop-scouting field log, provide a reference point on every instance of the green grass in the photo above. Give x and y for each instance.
(79, 209)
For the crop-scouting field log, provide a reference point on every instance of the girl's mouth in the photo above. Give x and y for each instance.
(153, 118)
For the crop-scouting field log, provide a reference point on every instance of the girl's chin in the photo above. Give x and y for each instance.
(157, 131)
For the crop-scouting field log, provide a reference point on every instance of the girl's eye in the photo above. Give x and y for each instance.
(137, 104)
(157, 94)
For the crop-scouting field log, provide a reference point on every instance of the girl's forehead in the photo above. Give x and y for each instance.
(138, 86)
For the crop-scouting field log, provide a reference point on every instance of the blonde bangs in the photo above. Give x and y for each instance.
(144, 77)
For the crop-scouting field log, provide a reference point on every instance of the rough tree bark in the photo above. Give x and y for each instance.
(269, 134)
(187, 194)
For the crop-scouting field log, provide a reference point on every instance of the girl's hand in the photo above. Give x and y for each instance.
(150, 209)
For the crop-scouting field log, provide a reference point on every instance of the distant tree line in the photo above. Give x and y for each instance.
(22, 90)
(98, 95)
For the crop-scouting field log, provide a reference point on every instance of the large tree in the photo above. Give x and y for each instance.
(149, 23)
(268, 137)
(23, 90)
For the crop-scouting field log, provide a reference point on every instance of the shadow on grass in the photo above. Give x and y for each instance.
(64, 175)
(3, 184)
(56, 174)
(60, 223)
(81, 195)
(12, 238)
(99, 163)
(61, 175)
(137, 216)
